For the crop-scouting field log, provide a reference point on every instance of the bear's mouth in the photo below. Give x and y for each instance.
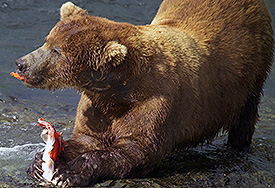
(31, 84)
(31, 81)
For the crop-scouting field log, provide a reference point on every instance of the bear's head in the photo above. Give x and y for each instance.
(81, 51)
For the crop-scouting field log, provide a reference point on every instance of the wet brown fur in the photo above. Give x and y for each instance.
(198, 68)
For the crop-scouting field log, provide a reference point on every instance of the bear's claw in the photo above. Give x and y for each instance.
(65, 177)
(62, 181)
(37, 176)
(35, 168)
(62, 175)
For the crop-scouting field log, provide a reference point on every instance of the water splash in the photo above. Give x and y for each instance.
(22, 152)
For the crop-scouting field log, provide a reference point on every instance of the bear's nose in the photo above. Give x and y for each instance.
(21, 66)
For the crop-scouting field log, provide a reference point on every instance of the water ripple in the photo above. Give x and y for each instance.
(25, 151)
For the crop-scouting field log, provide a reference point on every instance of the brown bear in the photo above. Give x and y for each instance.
(197, 69)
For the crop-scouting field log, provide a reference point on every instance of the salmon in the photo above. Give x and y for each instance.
(54, 145)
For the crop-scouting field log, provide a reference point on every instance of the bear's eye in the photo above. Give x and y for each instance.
(56, 50)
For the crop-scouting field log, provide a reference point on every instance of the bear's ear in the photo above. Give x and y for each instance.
(69, 9)
(113, 53)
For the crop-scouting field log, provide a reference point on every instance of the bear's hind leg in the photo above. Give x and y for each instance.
(240, 134)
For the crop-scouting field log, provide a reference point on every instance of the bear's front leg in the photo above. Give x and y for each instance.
(138, 147)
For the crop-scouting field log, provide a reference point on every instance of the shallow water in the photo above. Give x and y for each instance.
(23, 26)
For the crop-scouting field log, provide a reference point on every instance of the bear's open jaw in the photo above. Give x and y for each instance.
(28, 84)
(31, 84)
(23, 78)
(35, 82)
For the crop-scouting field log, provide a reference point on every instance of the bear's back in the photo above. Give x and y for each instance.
(208, 21)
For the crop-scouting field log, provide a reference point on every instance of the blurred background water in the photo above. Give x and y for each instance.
(23, 27)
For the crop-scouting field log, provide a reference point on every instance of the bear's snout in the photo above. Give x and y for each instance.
(21, 66)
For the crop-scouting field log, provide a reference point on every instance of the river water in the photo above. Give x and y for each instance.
(23, 26)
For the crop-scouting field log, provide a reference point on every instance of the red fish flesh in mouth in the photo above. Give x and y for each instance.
(16, 75)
